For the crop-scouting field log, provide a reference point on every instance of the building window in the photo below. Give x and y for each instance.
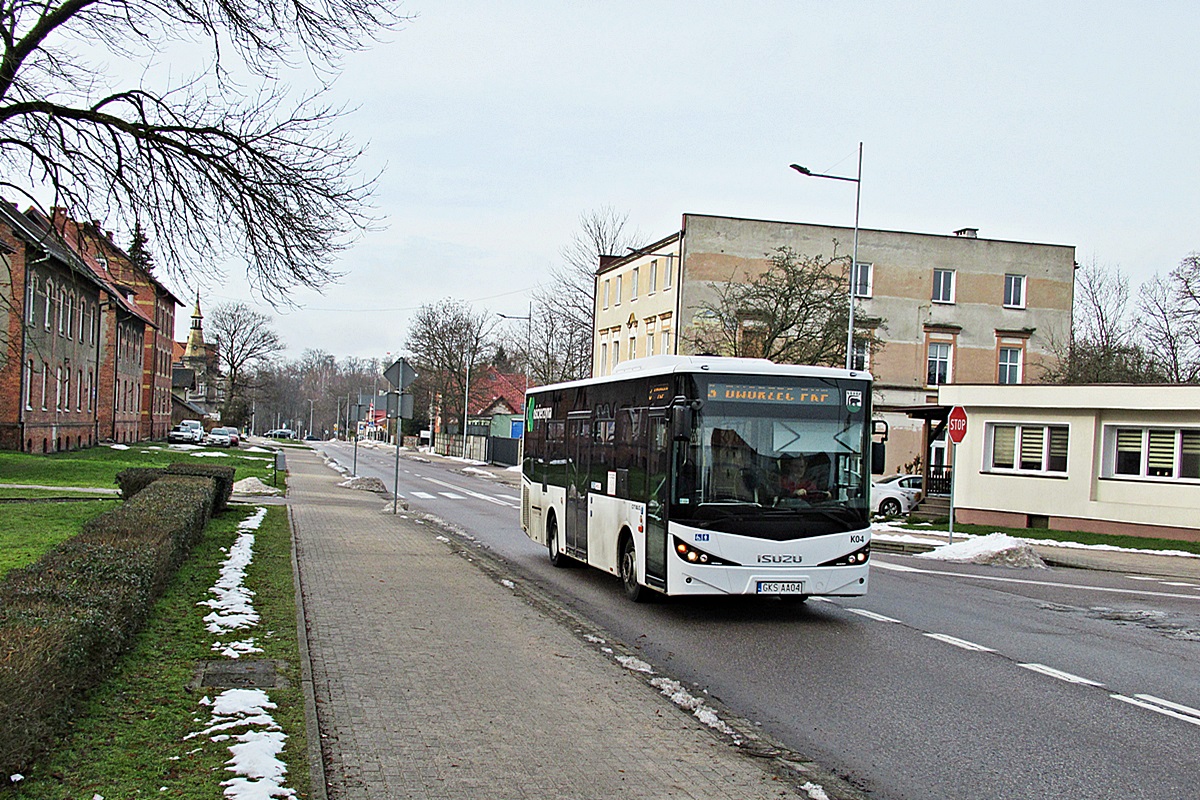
(1014, 291)
(632, 348)
(649, 342)
(58, 388)
(70, 315)
(859, 358)
(79, 390)
(603, 357)
(938, 364)
(1169, 453)
(83, 306)
(653, 276)
(30, 299)
(1027, 448)
(666, 342)
(862, 280)
(29, 385)
(616, 352)
(45, 379)
(633, 284)
(62, 300)
(1010, 365)
(943, 286)
(91, 391)
(606, 294)
(49, 301)
(667, 270)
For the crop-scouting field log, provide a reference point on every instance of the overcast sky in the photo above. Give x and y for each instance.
(497, 124)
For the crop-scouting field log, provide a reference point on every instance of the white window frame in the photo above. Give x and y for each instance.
(653, 276)
(633, 284)
(1018, 366)
(31, 298)
(632, 347)
(861, 288)
(604, 358)
(1108, 467)
(45, 381)
(606, 293)
(58, 389)
(1019, 436)
(29, 385)
(1011, 280)
(668, 271)
(665, 335)
(952, 287)
(47, 313)
(949, 362)
(619, 291)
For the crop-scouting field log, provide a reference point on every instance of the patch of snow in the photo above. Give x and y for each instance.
(477, 471)
(366, 484)
(211, 454)
(259, 773)
(995, 548)
(594, 639)
(508, 583)
(236, 649)
(516, 468)
(253, 486)
(256, 449)
(681, 697)
(815, 791)
(635, 664)
(119, 446)
(184, 447)
(440, 538)
(233, 607)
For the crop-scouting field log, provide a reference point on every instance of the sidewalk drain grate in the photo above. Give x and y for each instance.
(238, 674)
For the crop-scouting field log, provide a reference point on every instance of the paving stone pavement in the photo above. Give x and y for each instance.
(434, 680)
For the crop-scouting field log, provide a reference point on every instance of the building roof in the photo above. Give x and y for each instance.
(495, 389)
(41, 236)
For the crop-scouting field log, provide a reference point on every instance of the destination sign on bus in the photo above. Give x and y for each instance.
(763, 393)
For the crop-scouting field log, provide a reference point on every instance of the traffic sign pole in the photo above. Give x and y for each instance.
(956, 429)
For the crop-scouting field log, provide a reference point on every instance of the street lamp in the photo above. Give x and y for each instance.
(310, 416)
(857, 181)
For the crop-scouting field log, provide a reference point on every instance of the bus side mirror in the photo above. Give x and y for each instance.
(681, 422)
(879, 427)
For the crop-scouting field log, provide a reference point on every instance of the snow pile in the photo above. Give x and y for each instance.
(256, 449)
(396, 506)
(366, 484)
(253, 486)
(998, 549)
(183, 447)
(334, 465)
(635, 664)
(212, 453)
(119, 446)
(476, 471)
(686, 700)
(255, 763)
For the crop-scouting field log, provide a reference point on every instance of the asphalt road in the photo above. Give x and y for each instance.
(952, 681)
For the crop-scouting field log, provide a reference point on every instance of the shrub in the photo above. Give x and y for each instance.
(64, 619)
(222, 475)
(134, 479)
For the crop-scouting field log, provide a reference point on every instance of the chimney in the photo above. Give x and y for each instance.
(967, 233)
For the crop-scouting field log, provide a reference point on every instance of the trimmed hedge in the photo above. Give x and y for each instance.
(135, 479)
(65, 619)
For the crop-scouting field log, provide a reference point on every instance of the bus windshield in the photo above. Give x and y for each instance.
(775, 448)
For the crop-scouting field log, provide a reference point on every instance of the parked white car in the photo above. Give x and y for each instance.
(217, 437)
(190, 431)
(889, 500)
(912, 484)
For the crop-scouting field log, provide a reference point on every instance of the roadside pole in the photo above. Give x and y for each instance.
(399, 408)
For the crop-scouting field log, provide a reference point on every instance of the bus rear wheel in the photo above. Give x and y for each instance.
(557, 557)
(633, 590)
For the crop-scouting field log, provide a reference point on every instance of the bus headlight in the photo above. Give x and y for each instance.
(694, 555)
(859, 556)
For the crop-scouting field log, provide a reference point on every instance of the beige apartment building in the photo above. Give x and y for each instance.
(953, 308)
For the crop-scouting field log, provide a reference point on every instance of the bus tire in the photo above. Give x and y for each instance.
(628, 567)
(557, 557)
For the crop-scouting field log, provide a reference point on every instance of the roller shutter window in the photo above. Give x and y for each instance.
(1189, 454)
(1160, 462)
(1129, 451)
(1057, 460)
(1032, 442)
(1004, 446)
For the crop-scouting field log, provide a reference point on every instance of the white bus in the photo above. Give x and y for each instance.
(704, 476)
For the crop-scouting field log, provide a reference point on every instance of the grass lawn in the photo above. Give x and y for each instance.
(98, 466)
(129, 740)
(1135, 542)
(30, 529)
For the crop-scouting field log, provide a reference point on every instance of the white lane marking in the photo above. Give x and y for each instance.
(1166, 707)
(452, 495)
(1180, 583)
(820, 599)
(1140, 578)
(476, 495)
(506, 497)
(862, 612)
(963, 643)
(998, 579)
(1062, 676)
(423, 495)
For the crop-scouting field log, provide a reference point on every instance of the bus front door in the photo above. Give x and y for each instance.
(579, 434)
(658, 487)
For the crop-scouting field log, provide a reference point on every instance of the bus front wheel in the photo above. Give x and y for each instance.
(633, 590)
(557, 557)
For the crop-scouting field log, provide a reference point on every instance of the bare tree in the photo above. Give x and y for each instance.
(795, 312)
(1104, 346)
(561, 346)
(222, 163)
(448, 340)
(1170, 321)
(245, 339)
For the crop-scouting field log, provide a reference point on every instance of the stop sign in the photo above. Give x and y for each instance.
(956, 424)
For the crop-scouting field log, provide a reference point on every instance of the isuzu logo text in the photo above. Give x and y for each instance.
(780, 558)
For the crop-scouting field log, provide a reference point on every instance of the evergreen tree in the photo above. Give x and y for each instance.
(138, 253)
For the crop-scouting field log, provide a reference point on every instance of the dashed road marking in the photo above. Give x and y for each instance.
(1157, 704)
(423, 495)
(452, 495)
(862, 612)
(1060, 675)
(963, 643)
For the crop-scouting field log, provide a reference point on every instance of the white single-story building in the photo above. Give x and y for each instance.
(1104, 458)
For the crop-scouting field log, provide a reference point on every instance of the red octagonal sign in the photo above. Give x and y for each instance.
(956, 424)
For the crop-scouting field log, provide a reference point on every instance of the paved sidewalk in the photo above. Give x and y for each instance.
(433, 679)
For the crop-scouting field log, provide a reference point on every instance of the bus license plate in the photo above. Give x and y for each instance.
(780, 587)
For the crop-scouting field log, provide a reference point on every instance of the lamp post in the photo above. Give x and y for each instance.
(857, 181)
(310, 416)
